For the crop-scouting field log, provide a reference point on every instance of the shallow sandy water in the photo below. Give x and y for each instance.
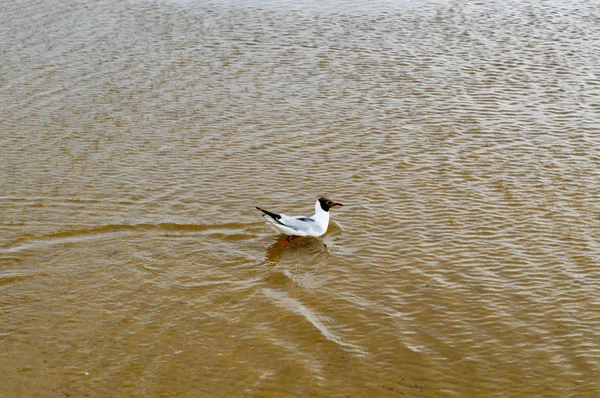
(136, 138)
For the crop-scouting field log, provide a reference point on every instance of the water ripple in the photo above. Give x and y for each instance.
(137, 137)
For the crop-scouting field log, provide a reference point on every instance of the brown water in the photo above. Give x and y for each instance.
(136, 137)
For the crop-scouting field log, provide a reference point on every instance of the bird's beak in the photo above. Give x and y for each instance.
(338, 204)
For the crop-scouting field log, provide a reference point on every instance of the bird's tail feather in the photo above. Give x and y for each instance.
(273, 217)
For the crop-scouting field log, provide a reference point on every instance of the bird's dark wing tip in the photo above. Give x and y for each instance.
(274, 216)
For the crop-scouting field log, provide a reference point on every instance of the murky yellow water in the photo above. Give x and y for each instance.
(136, 137)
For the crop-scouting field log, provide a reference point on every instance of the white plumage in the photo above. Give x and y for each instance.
(315, 225)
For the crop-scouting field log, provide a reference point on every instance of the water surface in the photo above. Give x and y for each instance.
(136, 137)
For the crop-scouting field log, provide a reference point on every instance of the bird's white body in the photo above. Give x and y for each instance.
(315, 225)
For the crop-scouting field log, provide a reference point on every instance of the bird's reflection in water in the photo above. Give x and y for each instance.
(299, 250)
(304, 262)
(301, 264)
(306, 250)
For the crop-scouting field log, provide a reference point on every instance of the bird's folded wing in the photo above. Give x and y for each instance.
(298, 223)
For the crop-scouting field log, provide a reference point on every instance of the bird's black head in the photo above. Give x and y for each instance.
(327, 204)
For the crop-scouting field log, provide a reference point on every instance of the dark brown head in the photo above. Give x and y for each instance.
(327, 204)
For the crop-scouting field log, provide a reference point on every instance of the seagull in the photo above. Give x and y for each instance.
(295, 227)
